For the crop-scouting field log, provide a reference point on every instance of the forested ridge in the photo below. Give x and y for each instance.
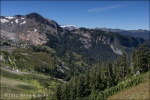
(104, 80)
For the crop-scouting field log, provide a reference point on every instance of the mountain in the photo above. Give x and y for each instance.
(135, 33)
(33, 29)
(77, 49)
(69, 27)
(28, 28)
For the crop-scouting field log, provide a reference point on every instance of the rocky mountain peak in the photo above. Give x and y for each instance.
(39, 18)
(35, 16)
(31, 27)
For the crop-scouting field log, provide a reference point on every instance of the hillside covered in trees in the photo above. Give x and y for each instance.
(104, 80)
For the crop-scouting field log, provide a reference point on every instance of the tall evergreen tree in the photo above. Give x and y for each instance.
(123, 66)
(80, 86)
(65, 92)
(58, 92)
(141, 59)
(133, 63)
(93, 78)
(87, 83)
(73, 88)
(110, 75)
(143, 56)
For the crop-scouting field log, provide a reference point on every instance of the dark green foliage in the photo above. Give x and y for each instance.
(65, 95)
(80, 87)
(141, 59)
(123, 66)
(42, 49)
(129, 41)
(110, 75)
(102, 52)
(58, 92)
(49, 71)
(104, 80)
(53, 40)
(125, 84)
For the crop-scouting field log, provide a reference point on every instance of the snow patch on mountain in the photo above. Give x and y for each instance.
(4, 20)
(69, 27)
(9, 17)
(23, 22)
(16, 20)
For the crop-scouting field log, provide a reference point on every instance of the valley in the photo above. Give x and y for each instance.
(38, 56)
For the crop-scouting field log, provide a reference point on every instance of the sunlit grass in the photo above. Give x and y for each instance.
(141, 91)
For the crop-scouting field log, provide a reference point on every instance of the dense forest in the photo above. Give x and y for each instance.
(104, 80)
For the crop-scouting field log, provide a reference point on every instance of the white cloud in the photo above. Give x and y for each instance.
(104, 8)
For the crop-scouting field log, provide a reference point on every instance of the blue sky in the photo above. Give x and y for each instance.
(110, 14)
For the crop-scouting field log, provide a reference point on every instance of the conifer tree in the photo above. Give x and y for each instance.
(65, 92)
(143, 56)
(110, 75)
(73, 88)
(93, 79)
(87, 83)
(80, 87)
(58, 92)
(122, 66)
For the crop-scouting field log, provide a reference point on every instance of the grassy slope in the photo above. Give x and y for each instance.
(141, 91)
(30, 59)
(17, 84)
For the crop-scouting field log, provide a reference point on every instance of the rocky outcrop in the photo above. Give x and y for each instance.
(30, 28)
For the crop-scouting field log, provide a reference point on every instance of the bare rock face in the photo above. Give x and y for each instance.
(36, 38)
(8, 35)
(30, 28)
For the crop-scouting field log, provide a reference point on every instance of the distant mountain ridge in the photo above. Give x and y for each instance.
(135, 33)
(34, 29)
(69, 27)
